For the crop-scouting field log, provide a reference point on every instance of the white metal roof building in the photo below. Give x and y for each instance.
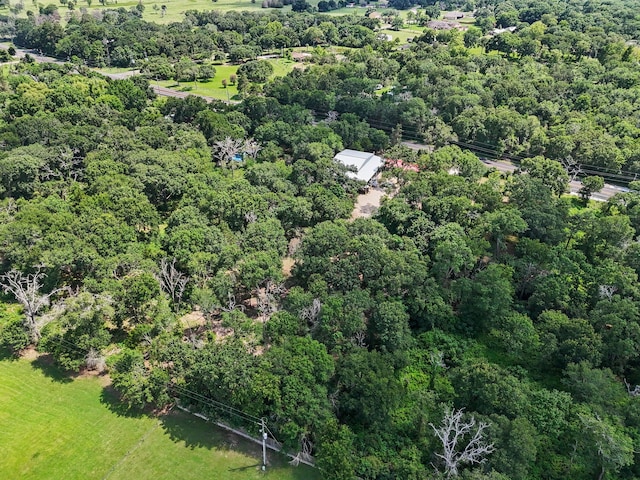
(366, 164)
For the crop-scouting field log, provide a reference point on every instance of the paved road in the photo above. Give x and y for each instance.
(506, 166)
(21, 52)
(574, 186)
(163, 91)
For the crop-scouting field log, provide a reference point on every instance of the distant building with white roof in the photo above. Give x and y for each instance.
(366, 164)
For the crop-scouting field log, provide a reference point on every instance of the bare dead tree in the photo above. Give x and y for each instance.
(607, 291)
(436, 359)
(635, 391)
(312, 313)
(172, 281)
(250, 217)
(26, 289)
(333, 398)
(304, 454)
(332, 116)
(95, 360)
(266, 304)
(275, 288)
(231, 304)
(225, 150)
(251, 147)
(360, 339)
(9, 208)
(462, 441)
(572, 167)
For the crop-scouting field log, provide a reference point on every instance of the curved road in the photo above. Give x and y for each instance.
(163, 91)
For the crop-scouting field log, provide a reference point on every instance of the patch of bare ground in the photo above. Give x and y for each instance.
(194, 325)
(102, 376)
(192, 319)
(288, 262)
(29, 353)
(368, 203)
(287, 265)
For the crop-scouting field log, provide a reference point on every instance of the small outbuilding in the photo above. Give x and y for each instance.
(442, 25)
(366, 164)
(453, 15)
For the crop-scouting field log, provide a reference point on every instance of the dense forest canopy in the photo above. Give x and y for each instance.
(205, 251)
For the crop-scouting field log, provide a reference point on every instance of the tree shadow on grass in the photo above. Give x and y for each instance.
(112, 400)
(7, 354)
(198, 433)
(193, 431)
(46, 365)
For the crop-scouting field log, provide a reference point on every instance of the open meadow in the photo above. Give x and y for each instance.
(176, 8)
(56, 427)
(215, 89)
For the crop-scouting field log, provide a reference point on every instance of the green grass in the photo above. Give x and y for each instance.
(176, 8)
(54, 427)
(214, 88)
(404, 35)
(105, 70)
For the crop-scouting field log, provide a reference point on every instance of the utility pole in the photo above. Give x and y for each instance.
(264, 445)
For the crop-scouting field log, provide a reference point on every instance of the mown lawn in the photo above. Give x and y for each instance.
(214, 88)
(404, 35)
(54, 427)
(176, 8)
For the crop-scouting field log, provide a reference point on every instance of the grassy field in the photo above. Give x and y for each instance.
(214, 88)
(54, 427)
(404, 35)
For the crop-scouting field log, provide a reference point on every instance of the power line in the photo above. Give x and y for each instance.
(413, 134)
(215, 403)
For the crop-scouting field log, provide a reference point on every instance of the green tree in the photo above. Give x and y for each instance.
(567, 340)
(607, 442)
(13, 336)
(551, 173)
(139, 291)
(500, 225)
(590, 185)
(79, 334)
(472, 36)
(138, 385)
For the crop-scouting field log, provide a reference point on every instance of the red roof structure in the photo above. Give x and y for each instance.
(397, 163)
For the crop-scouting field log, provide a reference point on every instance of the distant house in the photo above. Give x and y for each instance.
(300, 56)
(366, 164)
(498, 31)
(441, 25)
(453, 15)
(375, 15)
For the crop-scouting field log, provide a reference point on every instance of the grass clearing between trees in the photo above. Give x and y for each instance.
(214, 88)
(54, 426)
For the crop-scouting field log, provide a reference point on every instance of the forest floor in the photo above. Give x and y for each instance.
(57, 426)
